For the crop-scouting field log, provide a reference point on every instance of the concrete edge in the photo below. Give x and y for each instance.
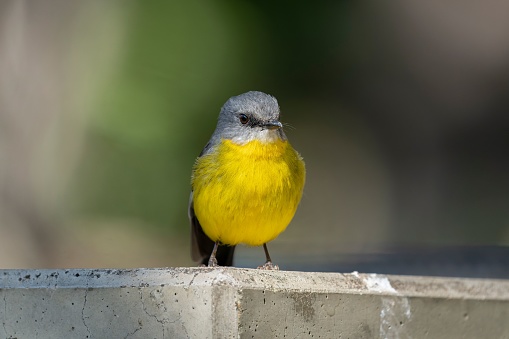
(350, 283)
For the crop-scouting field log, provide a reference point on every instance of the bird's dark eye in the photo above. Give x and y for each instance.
(244, 119)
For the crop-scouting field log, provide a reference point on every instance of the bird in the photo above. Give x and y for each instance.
(246, 183)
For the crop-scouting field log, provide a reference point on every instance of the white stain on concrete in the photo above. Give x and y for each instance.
(380, 284)
(394, 315)
(395, 310)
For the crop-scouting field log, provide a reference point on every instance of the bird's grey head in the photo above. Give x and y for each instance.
(250, 116)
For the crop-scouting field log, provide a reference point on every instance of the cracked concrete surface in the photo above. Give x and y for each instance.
(245, 303)
(83, 314)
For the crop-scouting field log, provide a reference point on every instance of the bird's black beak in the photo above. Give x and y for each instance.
(272, 125)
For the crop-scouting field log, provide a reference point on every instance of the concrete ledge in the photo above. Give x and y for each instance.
(246, 303)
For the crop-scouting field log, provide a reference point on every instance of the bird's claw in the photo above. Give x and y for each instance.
(269, 266)
(212, 262)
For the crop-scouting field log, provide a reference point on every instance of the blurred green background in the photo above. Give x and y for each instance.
(399, 110)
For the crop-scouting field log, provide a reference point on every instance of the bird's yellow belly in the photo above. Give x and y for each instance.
(247, 193)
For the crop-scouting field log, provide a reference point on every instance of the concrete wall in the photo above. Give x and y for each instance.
(245, 303)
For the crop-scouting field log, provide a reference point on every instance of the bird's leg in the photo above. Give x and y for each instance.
(212, 259)
(268, 263)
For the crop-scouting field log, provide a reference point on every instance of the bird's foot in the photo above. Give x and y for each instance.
(269, 266)
(213, 262)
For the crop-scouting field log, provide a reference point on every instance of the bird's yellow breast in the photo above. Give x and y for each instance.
(247, 193)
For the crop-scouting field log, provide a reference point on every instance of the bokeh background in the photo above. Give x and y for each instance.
(400, 110)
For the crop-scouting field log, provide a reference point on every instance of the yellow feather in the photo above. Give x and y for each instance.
(247, 193)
